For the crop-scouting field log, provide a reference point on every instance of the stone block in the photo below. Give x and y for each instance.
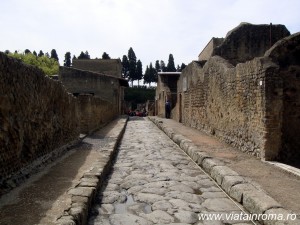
(229, 181)
(258, 202)
(219, 172)
(209, 163)
(82, 191)
(79, 213)
(191, 150)
(237, 191)
(201, 157)
(65, 220)
(80, 199)
(170, 132)
(177, 138)
(185, 144)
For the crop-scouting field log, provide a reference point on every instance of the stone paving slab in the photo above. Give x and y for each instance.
(252, 197)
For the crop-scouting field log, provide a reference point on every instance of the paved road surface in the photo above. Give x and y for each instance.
(154, 182)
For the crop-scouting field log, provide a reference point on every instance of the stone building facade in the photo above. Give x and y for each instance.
(99, 87)
(111, 67)
(166, 90)
(252, 104)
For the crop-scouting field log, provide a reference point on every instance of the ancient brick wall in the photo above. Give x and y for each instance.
(230, 102)
(94, 113)
(37, 115)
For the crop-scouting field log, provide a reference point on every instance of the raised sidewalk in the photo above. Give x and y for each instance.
(62, 193)
(261, 187)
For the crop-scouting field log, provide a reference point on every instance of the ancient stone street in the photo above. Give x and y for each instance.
(154, 182)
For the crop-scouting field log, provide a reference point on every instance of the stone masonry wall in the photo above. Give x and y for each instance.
(37, 115)
(111, 67)
(95, 112)
(286, 53)
(229, 102)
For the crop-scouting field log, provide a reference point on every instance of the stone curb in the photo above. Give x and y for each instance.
(253, 198)
(83, 195)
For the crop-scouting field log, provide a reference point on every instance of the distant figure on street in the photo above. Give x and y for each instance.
(168, 109)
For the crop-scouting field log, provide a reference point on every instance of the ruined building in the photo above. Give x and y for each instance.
(245, 90)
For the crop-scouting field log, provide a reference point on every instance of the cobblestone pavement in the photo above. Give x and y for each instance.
(154, 182)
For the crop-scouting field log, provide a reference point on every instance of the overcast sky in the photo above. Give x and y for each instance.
(153, 28)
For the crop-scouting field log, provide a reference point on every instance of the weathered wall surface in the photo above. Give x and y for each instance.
(37, 115)
(166, 90)
(247, 41)
(94, 113)
(207, 52)
(111, 67)
(86, 82)
(286, 53)
(229, 102)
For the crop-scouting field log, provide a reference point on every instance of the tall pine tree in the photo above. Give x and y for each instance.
(105, 56)
(139, 71)
(132, 65)
(54, 55)
(125, 66)
(67, 61)
(171, 64)
(147, 78)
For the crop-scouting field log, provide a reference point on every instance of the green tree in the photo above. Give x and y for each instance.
(27, 51)
(182, 66)
(54, 55)
(84, 55)
(132, 65)
(105, 56)
(163, 67)
(87, 55)
(34, 53)
(171, 64)
(125, 66)
(67, 61)
(157, 66)
(48, 65)
(152, 73)
(139, 71)
(147, 79)
(41, 53)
